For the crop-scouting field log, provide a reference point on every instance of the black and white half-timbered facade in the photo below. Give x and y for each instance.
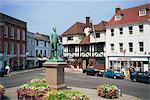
(85, 43)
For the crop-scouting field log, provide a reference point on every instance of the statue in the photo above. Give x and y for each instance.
(55, 57)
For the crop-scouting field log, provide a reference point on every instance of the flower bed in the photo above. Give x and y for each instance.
(108, 91)
(37, 89)
(34, 89)
(65, 95)
(2, 91)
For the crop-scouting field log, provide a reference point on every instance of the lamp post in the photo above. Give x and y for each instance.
(27, 53)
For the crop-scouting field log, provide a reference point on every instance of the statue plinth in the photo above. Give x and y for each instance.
(55, 75)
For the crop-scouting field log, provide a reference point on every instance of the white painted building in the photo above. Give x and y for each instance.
(80, 42)
(42, 47)
(128, 38)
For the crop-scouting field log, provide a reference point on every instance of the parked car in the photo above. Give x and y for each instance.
(140, 77)
(91, 71)
(113, 74)
(100, 74)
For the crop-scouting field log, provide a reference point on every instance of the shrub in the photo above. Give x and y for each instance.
(2, 91)
(108, 91)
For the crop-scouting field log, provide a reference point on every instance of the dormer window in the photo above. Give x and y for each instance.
(142, 12)
(118, 17)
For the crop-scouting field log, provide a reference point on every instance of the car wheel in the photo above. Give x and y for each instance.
(134, 80)
(114, 77)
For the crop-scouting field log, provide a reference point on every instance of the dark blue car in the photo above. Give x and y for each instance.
(140, 77)
(113, 74)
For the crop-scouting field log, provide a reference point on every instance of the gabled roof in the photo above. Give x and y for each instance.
(85, 40)
(77, 28)
(130, 15)
(100, 26)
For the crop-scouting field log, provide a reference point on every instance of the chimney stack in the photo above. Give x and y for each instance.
(87, 21)
(118, 8)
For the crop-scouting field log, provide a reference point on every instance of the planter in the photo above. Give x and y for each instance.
(2, 91)
(108, 91)
(33, 90)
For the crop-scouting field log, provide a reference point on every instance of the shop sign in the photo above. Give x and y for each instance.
(124, 59)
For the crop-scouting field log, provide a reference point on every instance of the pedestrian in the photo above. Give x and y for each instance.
(7, 68)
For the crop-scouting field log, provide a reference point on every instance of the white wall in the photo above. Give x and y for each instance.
(125, 38)
(100, 39)
(76, 39)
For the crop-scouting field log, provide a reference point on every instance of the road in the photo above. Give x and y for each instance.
(140, 90)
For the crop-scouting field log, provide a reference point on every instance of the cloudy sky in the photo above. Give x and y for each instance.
(42, 15)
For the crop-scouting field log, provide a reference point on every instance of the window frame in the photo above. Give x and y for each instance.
(142, 12)
(130, 47)
(121, 47)
(121, 31)
(112, 47)
(130, 29)
(69, 38)
(141, 47)
(141, 28)
(112, 32)
(6, 28)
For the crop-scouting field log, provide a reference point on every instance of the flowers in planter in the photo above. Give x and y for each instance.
(108, 91)
(35, 88)
(2, 91)
(65, 95)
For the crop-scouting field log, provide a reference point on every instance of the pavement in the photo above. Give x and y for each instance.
(11, 93)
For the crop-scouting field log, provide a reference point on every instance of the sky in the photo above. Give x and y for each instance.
(42, 15)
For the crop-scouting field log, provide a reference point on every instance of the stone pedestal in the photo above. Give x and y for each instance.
(55, 74)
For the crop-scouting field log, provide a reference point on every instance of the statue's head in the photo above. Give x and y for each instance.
(54, 29)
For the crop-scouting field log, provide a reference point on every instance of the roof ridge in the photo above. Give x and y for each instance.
(135, 7)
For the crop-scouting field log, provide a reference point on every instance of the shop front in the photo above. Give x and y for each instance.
(138, 62)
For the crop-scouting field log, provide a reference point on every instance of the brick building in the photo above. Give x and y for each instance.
(12, 42)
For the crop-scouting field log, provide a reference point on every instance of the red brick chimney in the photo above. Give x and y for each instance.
(87, 21)
(117, 9)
